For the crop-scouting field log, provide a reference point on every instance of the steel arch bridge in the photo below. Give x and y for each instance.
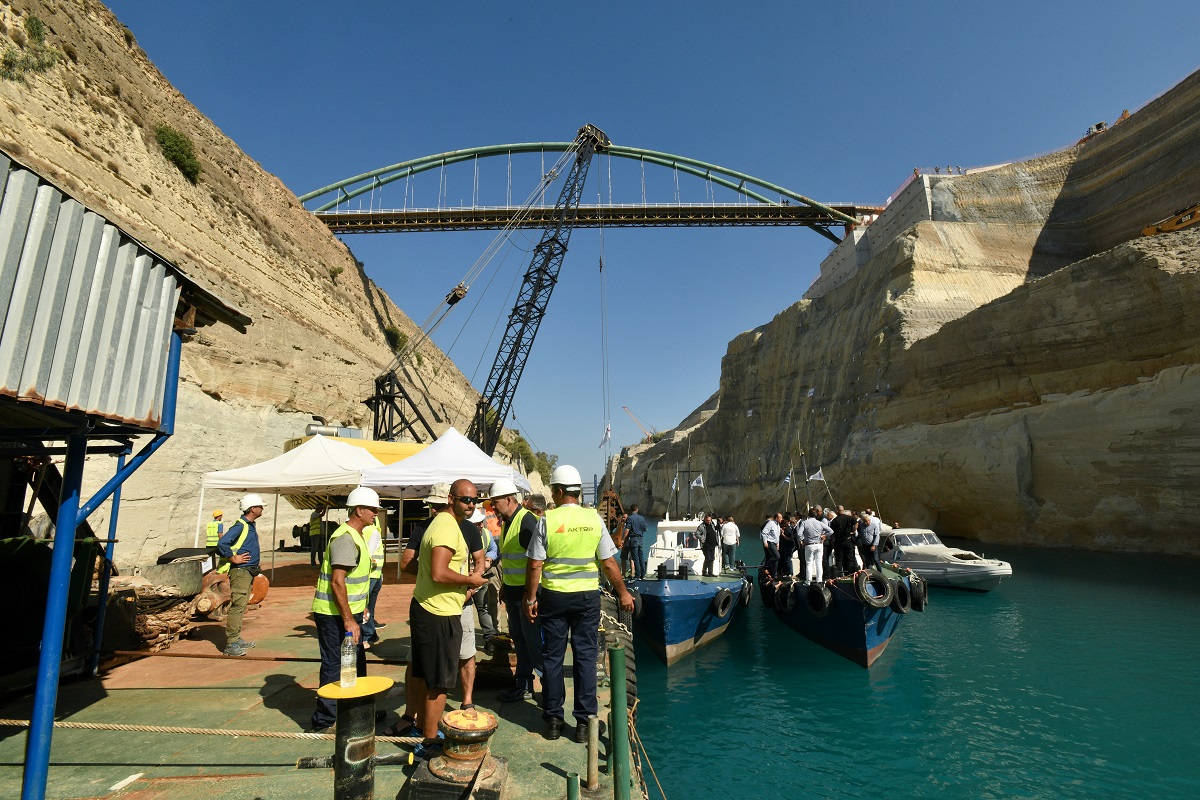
(756, 206)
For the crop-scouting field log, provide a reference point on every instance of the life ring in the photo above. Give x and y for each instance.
(746, 592)
(819, 598)
(901, 596)
(880, 593)
(793, 596)
(722, 602)
(920, 592)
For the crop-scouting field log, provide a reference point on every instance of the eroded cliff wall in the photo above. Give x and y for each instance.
(317, 339)
(1018, 366)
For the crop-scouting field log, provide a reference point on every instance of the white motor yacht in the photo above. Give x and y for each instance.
(922, 551)
(678, 545)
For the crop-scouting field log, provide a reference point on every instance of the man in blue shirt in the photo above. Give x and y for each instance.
(238, 549)
(635, 529)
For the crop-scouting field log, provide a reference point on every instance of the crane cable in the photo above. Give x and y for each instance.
(439, 313)
(605, 377)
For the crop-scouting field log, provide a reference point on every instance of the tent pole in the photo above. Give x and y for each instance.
(274, 536)
(199, 519)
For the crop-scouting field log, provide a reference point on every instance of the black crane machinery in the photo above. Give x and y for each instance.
(527, 313)
(394, 409)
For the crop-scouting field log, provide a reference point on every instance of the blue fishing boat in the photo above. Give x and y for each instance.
(680, 608)
(854, 616)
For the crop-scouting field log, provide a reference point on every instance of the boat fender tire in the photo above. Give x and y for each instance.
(882, 596)
(920, 592)
(819, 599)
(722, 602)
(746, 592)
(766, 590)
(793, 596)
(781, 597)
(901, 596)
(637, 602)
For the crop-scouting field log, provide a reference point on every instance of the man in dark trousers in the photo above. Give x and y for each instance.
(635, 529)
(845, 530)
(709, 538)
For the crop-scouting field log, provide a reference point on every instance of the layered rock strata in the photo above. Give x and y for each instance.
(1017, 364)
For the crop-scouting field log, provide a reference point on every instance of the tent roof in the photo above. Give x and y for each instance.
(319, 466)
(451, 457)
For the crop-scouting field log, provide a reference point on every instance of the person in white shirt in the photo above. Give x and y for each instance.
(813, 532)
(731, 537)
(770, 541)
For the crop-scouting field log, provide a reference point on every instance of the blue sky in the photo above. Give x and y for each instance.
(835, 101)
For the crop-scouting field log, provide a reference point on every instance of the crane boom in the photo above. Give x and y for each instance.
(529, 310)
(649, 433)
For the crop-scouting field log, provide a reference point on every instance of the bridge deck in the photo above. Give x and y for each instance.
(590, 216)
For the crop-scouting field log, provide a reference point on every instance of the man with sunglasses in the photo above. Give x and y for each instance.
(435, 614)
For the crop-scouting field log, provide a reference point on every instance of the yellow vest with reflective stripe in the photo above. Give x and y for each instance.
(358, 580)
(233, 548)
(572, 535)
(315, 526)
(512, 556)
(214, 533)
(375, 545)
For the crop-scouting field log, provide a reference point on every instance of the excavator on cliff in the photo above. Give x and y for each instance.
(395, 412)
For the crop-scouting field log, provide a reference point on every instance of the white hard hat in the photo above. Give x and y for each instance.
(477, 517)
(362, 496)
(502, 487)
(250, 501)
(567, 477)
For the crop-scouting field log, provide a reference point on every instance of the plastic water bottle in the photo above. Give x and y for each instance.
(349, 661)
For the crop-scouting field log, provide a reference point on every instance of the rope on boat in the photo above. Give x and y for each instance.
(642, 747)
(165, 654)
(113, 726)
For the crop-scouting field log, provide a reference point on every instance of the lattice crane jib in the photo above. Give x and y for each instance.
(530, 308)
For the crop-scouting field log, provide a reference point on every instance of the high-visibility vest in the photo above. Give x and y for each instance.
(375, 546)
(513, 561)
(315, 526)
(572, 535)
(215, 529)
(225, 565)
(358, 580)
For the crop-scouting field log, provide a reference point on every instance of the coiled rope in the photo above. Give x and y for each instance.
(394, 662)
(114, 726)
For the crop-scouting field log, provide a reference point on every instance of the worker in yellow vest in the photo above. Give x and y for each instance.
(520, 525)
(214, 531)
(316, 535)
(238, 549)
(370, 624)
(562, 591)
(341, 597)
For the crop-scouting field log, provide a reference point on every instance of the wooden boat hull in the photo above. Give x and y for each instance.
(679, 616)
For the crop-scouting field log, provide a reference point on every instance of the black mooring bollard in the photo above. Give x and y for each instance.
(354, 740)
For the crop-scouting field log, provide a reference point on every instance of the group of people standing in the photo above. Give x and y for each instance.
(544, 565)
(713, 533)
(842, 541)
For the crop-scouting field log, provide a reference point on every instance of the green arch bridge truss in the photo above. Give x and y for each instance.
(789, 207)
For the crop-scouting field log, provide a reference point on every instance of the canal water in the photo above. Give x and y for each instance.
(1079, 677)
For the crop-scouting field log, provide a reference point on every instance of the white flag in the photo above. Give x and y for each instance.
(674, 482)
(811, 392)
(788, 479)
(818, 475)
(607, 435)
(699, 482)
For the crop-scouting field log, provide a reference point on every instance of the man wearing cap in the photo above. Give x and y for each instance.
(435, 614)
(563, 592)
(238, 549)
(520, 525)
(343, 586)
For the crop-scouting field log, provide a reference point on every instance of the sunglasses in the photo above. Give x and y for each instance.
(466, 499)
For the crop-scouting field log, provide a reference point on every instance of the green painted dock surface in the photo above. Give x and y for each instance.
(277, 696)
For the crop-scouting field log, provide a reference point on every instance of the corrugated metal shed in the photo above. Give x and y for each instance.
(86, 311)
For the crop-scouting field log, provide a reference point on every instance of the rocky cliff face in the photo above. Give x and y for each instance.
(1020, 365)
(317, 340)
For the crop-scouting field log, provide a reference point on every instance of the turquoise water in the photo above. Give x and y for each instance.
(1077, 677)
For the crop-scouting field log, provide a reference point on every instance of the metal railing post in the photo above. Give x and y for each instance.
(620, 717)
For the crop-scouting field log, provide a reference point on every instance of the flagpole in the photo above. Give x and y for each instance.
(807, 491)
(792, 482)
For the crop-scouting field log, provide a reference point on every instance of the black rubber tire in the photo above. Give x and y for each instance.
(722, 603)
(819, 599)
(882, 597)
(920, 592)
(793, 595)
(746, 592)
(637, 602)
(781, 597)
(901, 596)
(765, 589)
(614, 635)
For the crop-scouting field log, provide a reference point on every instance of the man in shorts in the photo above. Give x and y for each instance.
(436, 610)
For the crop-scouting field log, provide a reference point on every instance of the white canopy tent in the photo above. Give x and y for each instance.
(319, 466)
(451, 457)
